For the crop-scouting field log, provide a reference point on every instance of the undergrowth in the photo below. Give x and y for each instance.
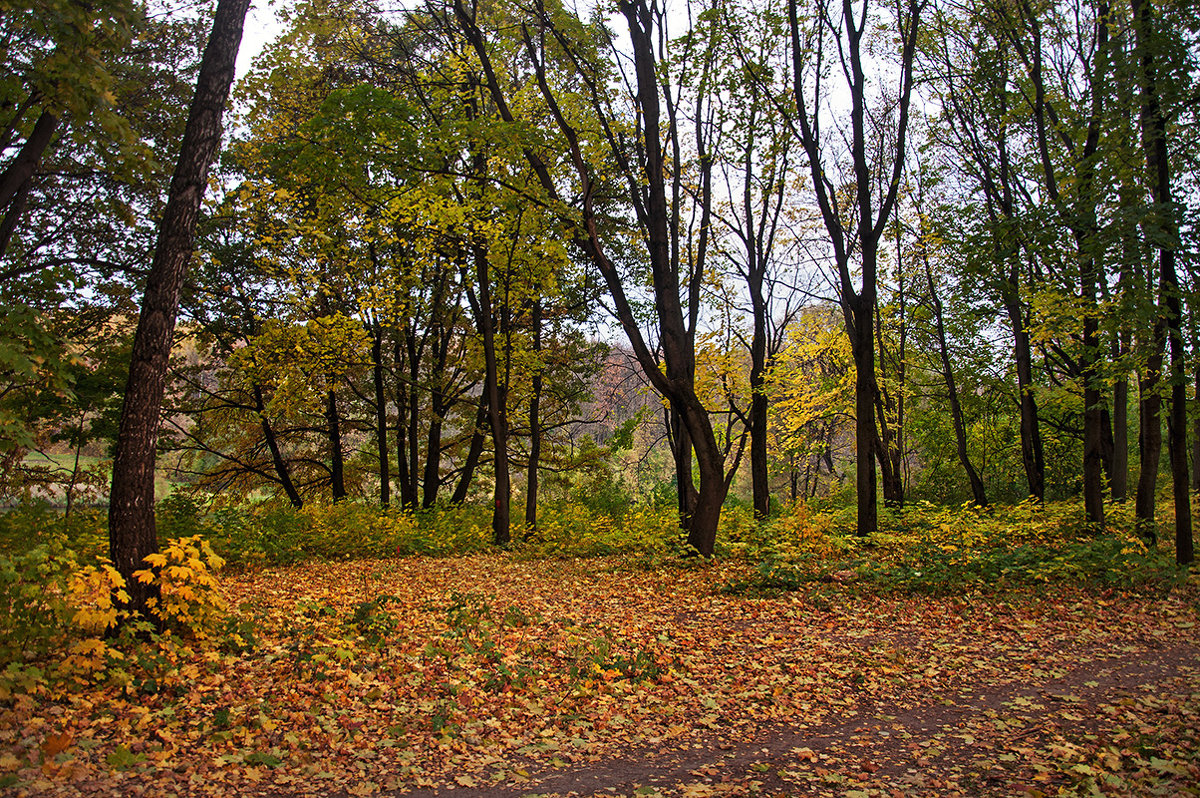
(59, 597)
(942, 550)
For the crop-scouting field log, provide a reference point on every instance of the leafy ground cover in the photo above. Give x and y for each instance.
(830, 667)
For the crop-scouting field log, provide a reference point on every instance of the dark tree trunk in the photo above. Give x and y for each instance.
(859, 235)
(337, 462)
(414, 420)
(647, 191)
(1120, 440)
(1093, 418)
(681, 452)
(535, 421)
(474, 452)
(759, 473)
(1107, 443)
(1149, 440)
(281, 468)
(432, 480)
(17, 173)
(131, 529)
(1078, 212)
(381, 428)
(978, 494)
(889, 447)
(496, 400)
(1196, 432)
(1032, 456)
(12, 215)
(860, 323)
(402, 410)
(1154, 140)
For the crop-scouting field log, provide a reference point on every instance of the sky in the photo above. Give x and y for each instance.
(261, 28)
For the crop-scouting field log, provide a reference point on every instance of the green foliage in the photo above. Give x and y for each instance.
(372, 622)
(61, 621)
(940, 550)
(34, 603)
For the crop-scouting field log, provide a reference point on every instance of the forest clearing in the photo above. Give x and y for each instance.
(828, 668)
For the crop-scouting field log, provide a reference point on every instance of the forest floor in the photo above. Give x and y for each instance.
(493, 675)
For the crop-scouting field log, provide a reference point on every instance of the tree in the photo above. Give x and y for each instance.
(132, 533)
(755, 156)
(1163, 231)
(644, 165)
(59, 56)
(853, 220)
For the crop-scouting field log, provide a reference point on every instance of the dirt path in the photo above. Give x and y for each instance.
(1025, 737)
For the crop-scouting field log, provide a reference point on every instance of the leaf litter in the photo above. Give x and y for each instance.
(497, 675)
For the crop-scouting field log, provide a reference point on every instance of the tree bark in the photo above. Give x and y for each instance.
(1120, 438)
(1196, 430)
(22, 167)
(535, 420)
(496, 400)
(413, 419)
(381, 428)
(12, 215)
(978, 493)
(131, 529)
(403, 477)
(474, 452)
(440, 405)
(281, 467)
(1149, 440)
(1032, 451)
(1154, 140)
(337, 459)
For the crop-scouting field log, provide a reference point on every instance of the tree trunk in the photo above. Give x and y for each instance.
(413, 420)
(381, 429)
(1149, 441)
(1108, 444)
(1196, 432)
(535, 421)
(861, 316)
(281, 468)
(656, 217)
(1032, 456)
(1154, 140)
(131, 529)
(402, 404)
(12, 215)
(497, 418)
(859, 235)
(1120, 427)
(337, 462)
(432, 480)
(978, 494)
(759, 473)
(17, 173)
(1093, 426)
(889, 446)
(474, 452)
(681, 452)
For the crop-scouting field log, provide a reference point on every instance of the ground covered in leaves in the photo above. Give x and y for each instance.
(493, 674)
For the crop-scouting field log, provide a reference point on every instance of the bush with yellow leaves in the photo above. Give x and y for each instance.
(57, 614)
(189, 600)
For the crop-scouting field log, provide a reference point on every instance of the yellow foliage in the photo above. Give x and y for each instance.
(190, 599)
(94, 593)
